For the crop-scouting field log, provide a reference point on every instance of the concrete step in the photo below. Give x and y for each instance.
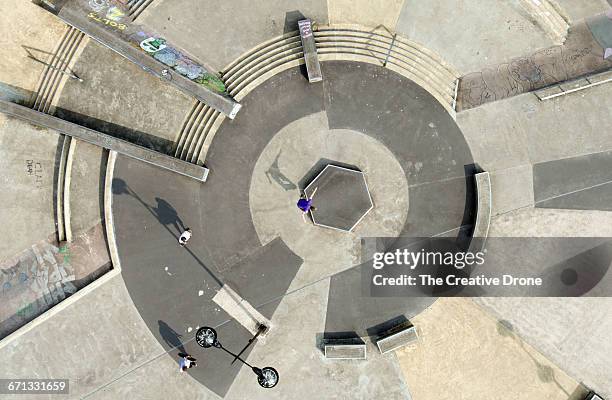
(390, 49)
(548, 17)
(197, 133)
(341, 42)
(55, 72)
(136, 7)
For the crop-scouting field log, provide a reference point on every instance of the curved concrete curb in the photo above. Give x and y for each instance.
(338, 42)
(59, 195)
(483, 211)
(108, 211)
(66, 190)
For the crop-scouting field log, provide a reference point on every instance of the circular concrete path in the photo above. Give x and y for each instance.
(245, 233)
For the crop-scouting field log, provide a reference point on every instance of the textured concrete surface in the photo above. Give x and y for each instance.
(122, 100)
(464, 353)
(218, 41)
(365, 12)
(46, 273)
(468, 34)
(288, 161)
(305, 373)
(573, 333)
(87, 187)
(29, 165)
(509, 138)
(581, 54)
(541, 222)
(25, 27)
(576, 10)
(105, 329)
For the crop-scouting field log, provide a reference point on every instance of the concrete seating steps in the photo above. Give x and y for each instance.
(406, 56)
(52, 76)
(136, 7)
(193, 138)
(337, 42)
(551, 20)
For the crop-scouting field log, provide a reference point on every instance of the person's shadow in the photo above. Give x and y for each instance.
(167, 215)
(171, 337)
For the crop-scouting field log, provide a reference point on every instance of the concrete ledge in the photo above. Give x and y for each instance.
(339, 350)
(239, 309)
(396, 338)
(575, 85)
(77, 18)
(313, 68)
(108, 211)
(59, 185)
(103, 140)
(59, 307)
(483, 211)
(66, 189)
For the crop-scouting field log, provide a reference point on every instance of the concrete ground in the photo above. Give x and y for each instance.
(468, 34)
(464, 353)
(204, 29)
(122, 100)
(550, 164)
(18, 37)
(30, 159)
(581, 54)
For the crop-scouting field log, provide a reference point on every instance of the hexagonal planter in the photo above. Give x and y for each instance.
(342, 198)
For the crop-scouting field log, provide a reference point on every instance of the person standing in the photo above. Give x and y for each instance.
(305, 203)
(186, 361)
(185, 236)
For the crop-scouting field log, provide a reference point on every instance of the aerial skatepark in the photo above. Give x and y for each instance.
(477, 126)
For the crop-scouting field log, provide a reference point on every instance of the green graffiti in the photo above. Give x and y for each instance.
(24, 311)
(212, 82)
(66, 252)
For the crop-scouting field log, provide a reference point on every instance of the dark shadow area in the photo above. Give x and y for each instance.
(101, 186)
(120, 187)
(36, 55)
(275, 174)
(464, 235)
(337, 338)
(167, 215)
(131, 135)
(291, 20)
(318, 167)
(576, 183)
(384, 328)
(580, 274)
(171, 337)
(16, 94)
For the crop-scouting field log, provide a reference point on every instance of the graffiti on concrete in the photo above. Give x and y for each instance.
(34, 169)
(98, 5)
(580, 55)
(37, 279)
(106, 21)
(158, 48)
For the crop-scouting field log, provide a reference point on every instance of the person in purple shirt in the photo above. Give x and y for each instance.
(305, 204)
